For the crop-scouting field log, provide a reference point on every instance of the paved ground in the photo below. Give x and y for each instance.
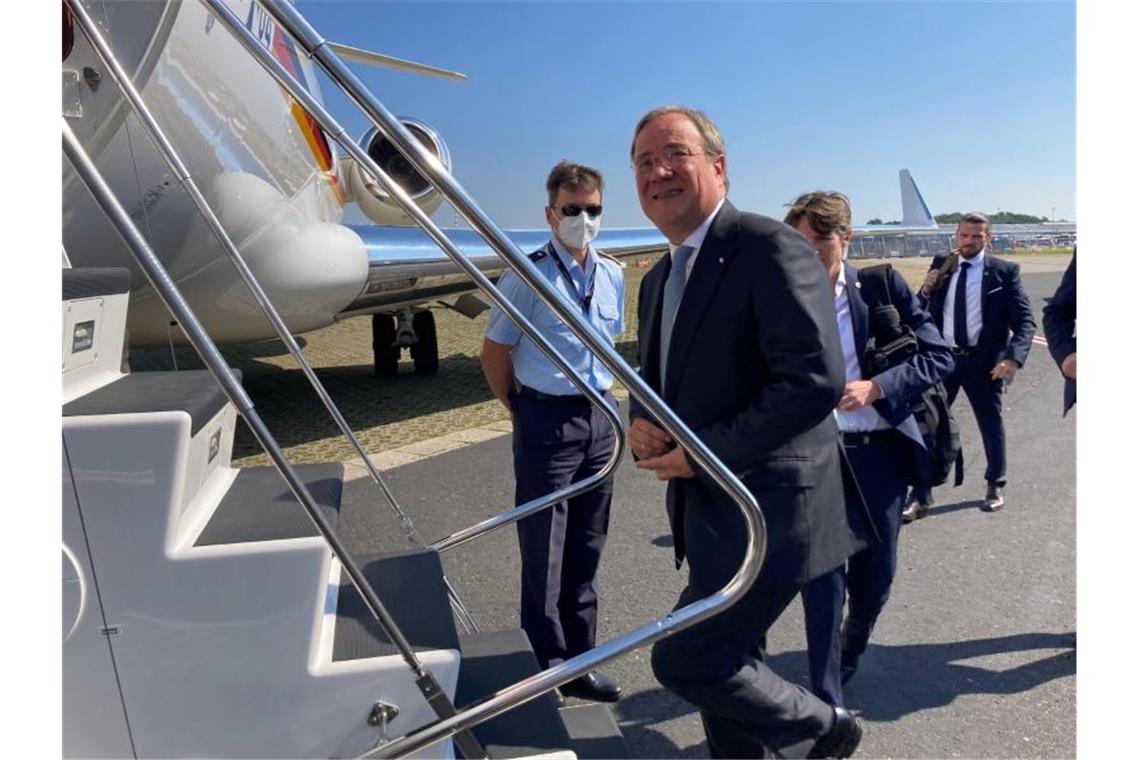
(975, 655)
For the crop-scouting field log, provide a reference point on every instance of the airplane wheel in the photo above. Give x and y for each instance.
(425, 352)
(385, 352)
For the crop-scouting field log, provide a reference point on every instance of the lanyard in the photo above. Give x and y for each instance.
(584, 300)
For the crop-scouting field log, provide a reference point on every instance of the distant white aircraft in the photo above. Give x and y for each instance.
(277, 184)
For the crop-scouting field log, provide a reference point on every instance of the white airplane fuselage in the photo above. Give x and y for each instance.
(265, 167)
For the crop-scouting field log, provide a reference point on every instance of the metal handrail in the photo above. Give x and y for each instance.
(317, 48)
(172, 298)
(337, 133)
(182, 174)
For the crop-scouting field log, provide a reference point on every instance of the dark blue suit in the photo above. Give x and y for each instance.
(884, 463)
(1059, 319)
(755, 369)
(1007, 331)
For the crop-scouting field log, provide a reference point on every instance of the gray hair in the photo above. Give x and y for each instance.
(711, 141)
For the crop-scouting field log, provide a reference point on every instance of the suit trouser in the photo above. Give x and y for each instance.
(559, 441)
(718, 665)
(880, 466)
(971, 373)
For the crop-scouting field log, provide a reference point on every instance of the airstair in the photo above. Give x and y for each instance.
(214, 611)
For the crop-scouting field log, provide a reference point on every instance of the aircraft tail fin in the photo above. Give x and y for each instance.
(915, 211)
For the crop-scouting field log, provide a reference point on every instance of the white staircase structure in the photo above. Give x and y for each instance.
(195, 625)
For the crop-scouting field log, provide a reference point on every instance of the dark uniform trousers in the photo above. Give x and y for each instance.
(971, 373)
(559, 440)
(882, 464)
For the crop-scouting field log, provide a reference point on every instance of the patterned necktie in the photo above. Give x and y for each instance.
(961, 332)
(674, 289)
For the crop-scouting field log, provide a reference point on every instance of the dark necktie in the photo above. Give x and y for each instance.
(674, 289)
(961, 331)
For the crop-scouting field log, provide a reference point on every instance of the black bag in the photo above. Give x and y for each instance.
(889, 344)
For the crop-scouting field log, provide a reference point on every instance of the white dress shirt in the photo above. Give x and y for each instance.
(867, 418)
(973, 301)
(695, 239)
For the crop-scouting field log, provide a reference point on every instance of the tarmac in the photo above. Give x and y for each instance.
(974, 655)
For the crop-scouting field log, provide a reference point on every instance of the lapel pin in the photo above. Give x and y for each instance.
(721, 259)
(858, 285)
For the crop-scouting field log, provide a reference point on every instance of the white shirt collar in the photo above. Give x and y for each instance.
(841, 283)
(697, 237)
(977, 261)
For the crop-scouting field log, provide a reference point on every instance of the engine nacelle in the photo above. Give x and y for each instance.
(377, 204)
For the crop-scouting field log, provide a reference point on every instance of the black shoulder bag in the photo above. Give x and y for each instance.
(891, 343)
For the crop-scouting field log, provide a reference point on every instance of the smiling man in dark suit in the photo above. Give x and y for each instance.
(984, 314)
(737, 333)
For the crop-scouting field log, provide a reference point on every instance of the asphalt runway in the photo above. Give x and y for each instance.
(974, 656)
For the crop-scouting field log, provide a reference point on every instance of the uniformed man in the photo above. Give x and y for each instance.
(559, 436)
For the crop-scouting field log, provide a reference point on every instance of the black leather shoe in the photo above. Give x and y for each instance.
(842, 739)
(995, 498)
(594, 685)
(915, 509)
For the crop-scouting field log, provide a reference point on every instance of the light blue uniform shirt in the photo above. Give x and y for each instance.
(605, 315)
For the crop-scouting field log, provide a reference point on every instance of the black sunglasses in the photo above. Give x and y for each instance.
(573, 209)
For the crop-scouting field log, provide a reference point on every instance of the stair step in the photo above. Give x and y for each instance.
(594, 733)
(411, 586)
(492, 660)
(260, 507)
(93, 282)
(192, 391)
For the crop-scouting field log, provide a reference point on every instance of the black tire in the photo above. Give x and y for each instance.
(385, 352)
(425, 352)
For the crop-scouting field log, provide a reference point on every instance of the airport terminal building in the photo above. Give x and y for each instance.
(1006, 237)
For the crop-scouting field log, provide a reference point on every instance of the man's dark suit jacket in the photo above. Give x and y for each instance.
(755, 369)
(1059, 318)
(904, 383)
(1007, 319)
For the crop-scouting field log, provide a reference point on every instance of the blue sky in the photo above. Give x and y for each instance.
(978, 100)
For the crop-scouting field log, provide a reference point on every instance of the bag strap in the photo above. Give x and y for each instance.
(874, 287)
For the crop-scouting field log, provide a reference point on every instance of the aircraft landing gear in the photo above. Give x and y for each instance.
(425, 351)
(385, 350)
(414, 330)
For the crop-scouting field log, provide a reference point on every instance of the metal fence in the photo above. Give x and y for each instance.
(888, 245)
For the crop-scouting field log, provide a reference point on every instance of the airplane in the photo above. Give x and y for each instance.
(277, 183)
(243, 626)
(279, 186)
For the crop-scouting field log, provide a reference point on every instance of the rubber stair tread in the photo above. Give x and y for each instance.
(192, 391)
(259, 506)
(594, 732)
(492, 660)
(410, 585)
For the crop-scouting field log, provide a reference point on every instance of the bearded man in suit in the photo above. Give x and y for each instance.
(984, 315)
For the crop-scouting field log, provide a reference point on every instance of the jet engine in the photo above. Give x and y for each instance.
(377, 204)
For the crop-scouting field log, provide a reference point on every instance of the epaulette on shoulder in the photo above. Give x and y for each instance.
(604, 255)
(537, 256)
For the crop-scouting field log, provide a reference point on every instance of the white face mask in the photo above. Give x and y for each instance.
(576, 232)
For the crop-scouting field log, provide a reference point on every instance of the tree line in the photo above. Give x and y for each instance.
(1001, 217)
